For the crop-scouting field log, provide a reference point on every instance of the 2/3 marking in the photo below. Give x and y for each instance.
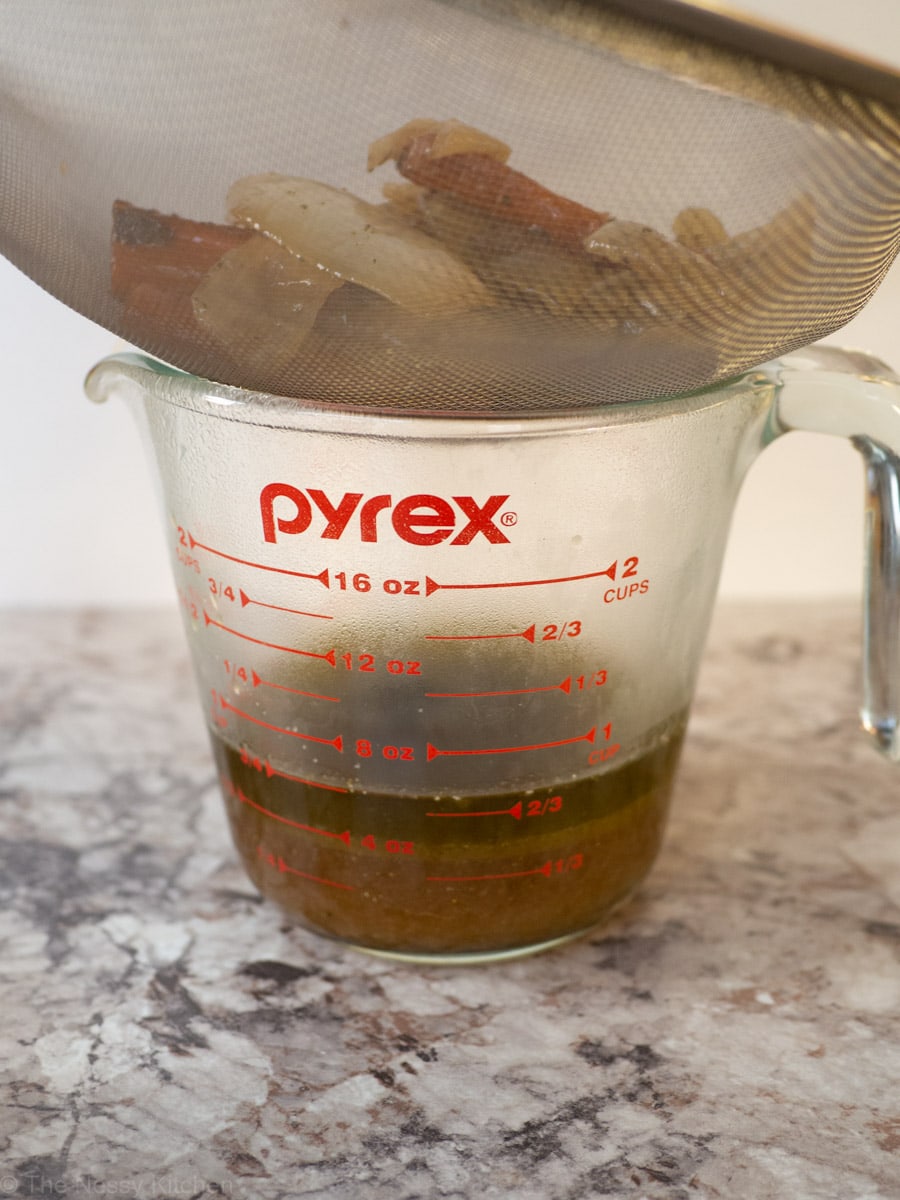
(556, 633)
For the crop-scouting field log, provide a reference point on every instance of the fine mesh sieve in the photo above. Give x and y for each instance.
(581, 205)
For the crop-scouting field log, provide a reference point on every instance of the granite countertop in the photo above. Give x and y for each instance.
(733, 1032)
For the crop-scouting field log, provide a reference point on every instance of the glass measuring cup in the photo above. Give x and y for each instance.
(447, 665)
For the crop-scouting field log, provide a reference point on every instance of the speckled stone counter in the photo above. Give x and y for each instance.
(733, 1032)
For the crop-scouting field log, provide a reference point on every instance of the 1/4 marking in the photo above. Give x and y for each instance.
(276, 861)
(242, 675)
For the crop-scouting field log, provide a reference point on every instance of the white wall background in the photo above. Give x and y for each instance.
(78, 520)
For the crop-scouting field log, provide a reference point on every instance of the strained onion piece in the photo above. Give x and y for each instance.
(404, 197)
(789, 237)
(699, 229)
(673, 275)
(260, 302)
(447, 137)
(521, 266)
(367, 244)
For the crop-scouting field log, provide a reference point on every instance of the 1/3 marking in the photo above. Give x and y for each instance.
(584, 681)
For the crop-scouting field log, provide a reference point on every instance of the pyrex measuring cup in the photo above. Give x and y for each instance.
(447, 664)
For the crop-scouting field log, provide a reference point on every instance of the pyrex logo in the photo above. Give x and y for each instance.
(421, 519)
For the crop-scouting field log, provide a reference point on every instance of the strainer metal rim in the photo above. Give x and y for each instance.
(738, 30)
(137, 376)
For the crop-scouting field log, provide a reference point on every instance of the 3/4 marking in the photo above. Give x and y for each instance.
(330, 657)
(297, 612)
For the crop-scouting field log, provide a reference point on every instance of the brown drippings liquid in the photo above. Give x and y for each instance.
(492, 874)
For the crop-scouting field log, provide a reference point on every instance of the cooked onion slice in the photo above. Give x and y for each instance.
(364, 243)
(446, 138)
(260, 302)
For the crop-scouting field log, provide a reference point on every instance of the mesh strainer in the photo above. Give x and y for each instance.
(444, 205)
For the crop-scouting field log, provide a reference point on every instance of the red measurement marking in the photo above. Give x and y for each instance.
(298, 612)
(527, 634)
(337, 742)
(283, 867)
(432, 586)
(329, 657)
(515, 811)
(281, 687)
(341, 837)
(565, 686)
(546, 869)
(322, 576)
(269, 770)
(434, 752)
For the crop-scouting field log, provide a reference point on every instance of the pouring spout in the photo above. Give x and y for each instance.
(108, 379)
(124, 376)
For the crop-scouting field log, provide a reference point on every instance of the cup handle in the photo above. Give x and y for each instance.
(849, 394)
